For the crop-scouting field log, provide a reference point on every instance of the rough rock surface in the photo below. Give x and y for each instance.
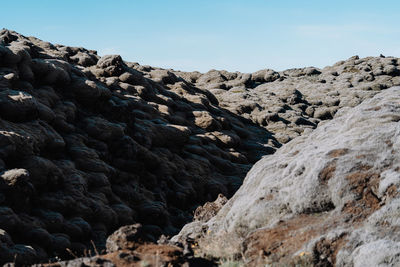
(210, 209)
(89, 144)
(330, 197)
(129, 246)
(289, 102)
(146, 255)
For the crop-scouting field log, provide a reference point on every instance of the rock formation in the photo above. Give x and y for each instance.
(288, 102)
(330, 197)
(89, 144)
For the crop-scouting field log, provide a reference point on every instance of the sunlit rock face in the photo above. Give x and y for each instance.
(328, 197)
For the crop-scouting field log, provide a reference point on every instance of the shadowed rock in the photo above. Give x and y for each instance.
(89, 144)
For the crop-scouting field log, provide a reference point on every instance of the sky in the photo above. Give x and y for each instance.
(235, 35)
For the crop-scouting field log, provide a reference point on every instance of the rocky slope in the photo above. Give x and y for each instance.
(89, 144)
(330, 197)
(288, 102)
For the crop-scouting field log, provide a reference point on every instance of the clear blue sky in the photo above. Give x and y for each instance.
(236, 35)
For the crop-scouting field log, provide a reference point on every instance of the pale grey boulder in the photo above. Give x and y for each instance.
(265, 76)
(18, 189)
(211, 77)
(331, 194)
(15, 177)
(377, 253)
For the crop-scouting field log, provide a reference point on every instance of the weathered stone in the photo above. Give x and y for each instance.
(111, 64)
(51, 71)
(331, 185)
(210, 209)
(84, 59)
(127, 237)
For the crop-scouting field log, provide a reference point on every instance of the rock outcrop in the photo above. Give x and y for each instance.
(89, 144)
(288, 102)
(330, 197)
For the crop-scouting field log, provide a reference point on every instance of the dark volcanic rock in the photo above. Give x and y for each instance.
(17, 106)
(89, 144)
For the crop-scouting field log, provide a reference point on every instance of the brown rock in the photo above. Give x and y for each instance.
(210, 209)
(127, 237)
